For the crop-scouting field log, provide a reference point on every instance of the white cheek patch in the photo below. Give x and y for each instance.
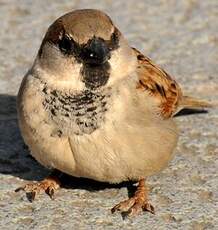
(69, 79)
(123, 63)
(58, 71)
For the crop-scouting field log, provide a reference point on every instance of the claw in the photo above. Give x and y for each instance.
(50, 192)
(113, 210)
(139, 202)
(31, 196)
(19, 189)
(124, 205)
(149, 208)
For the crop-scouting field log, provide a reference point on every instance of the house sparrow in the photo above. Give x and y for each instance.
(91, 106)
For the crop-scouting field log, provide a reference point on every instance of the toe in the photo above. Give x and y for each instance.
(19, 189)
(123, 206)
(135, 209)
(50, 191)
(148, 207)
(31, 196)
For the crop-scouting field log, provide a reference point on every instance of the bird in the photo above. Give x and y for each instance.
(91, 106)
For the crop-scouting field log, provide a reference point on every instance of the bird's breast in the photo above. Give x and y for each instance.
(80, 113)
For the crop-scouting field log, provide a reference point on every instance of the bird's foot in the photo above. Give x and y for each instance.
(136, 204)
(49, 185)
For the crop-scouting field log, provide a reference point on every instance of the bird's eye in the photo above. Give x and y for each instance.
(66, 45)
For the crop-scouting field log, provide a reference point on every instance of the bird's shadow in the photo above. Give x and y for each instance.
(15, 158)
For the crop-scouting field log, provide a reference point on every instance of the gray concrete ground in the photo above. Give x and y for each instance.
(179, 35)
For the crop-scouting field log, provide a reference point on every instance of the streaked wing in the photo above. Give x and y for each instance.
(159, 84)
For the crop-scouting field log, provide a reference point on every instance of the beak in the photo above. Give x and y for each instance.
(95, 53)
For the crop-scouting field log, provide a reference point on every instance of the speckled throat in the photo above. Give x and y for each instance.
(78, 114)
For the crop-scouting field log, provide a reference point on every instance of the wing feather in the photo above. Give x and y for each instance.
(159, 84)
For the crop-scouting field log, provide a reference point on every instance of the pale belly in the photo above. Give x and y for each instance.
(124, 147)
(112, 154)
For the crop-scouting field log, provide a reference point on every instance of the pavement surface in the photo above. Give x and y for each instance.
(182, 37)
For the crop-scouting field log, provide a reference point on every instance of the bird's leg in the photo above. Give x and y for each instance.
(49, 185)
(139, 202)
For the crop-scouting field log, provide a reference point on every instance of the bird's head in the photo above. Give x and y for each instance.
(84, 50)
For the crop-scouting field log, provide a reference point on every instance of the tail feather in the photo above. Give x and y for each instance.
(193, 103)
(190, 105)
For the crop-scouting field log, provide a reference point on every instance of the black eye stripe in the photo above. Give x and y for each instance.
(68, 46)
(114, 40)
(65, 45)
